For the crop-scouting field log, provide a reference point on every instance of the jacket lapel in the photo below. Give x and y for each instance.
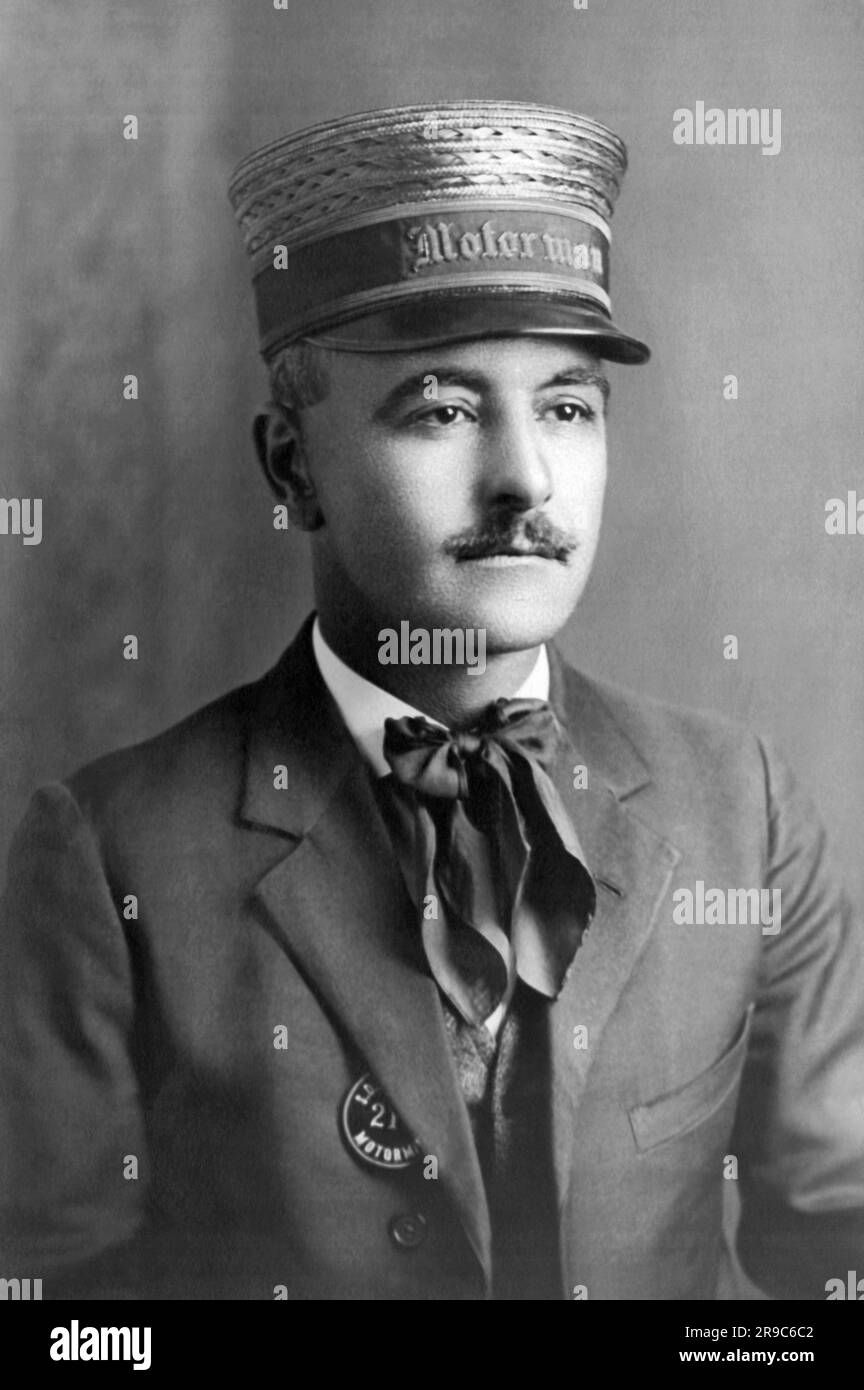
(632, 867)
(338, 903)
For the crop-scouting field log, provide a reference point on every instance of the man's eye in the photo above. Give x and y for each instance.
(569, 411)
(442, 415)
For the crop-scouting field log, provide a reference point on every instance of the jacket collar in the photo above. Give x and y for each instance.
(606, 750)
(293, 724)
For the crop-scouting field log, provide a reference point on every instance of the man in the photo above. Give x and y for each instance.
(425, 967)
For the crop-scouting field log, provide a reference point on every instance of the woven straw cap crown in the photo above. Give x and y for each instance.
(308, 183)
(424, 224)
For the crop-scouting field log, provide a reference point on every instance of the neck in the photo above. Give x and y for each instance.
(454, 695)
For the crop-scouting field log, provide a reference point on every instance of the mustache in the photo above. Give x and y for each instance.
(535, 535)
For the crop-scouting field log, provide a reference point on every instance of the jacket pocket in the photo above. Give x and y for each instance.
(678, 1111)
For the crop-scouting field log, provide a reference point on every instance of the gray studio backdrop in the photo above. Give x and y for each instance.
(121, 257)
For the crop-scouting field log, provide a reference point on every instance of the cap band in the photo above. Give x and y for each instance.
(387, 262)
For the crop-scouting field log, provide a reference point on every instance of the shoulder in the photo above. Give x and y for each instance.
(673, 746)
(197, 750)
(650, 721)
(186, 784)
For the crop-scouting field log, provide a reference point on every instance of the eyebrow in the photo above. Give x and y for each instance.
(413, 386)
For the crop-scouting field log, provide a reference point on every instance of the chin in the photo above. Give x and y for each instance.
(517, 616)
(520, 637)
(516, 623)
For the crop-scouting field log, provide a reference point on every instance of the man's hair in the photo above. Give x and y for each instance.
(299, 375)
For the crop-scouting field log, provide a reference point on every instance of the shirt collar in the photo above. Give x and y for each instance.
(365, 706)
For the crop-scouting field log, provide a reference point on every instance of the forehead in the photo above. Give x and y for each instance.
(524, 363)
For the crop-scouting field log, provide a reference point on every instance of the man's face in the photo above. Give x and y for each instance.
(460, 486)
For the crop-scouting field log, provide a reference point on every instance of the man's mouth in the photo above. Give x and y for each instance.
(509, 555)
(515, 550)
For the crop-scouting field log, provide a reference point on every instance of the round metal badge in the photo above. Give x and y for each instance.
(373, 1130)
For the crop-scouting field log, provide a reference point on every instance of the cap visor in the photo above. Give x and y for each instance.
(459, 318)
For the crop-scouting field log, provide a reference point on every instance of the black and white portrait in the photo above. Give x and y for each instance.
(432, 542)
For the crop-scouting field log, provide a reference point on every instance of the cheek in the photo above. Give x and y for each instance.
(384, 511)
(596, 495)
(581, 488)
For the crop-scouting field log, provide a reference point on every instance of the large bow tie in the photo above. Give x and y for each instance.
(500, 878)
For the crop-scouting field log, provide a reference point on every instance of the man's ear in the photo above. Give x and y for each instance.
(281, 453)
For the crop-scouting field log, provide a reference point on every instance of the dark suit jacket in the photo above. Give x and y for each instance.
(261, 908)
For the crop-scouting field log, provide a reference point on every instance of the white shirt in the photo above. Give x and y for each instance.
(365, 706)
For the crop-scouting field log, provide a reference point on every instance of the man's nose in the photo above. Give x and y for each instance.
(514, 471)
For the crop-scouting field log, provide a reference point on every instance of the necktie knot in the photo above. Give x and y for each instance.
(436, 762)
(467, 743)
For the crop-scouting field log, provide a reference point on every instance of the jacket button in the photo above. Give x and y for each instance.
(409, 1231)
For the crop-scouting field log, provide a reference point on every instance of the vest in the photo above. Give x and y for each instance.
(507, 1089)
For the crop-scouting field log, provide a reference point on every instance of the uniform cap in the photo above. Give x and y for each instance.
(416, 226)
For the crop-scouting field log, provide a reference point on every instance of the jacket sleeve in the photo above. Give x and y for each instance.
(70, 1118)
(800, 1125)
